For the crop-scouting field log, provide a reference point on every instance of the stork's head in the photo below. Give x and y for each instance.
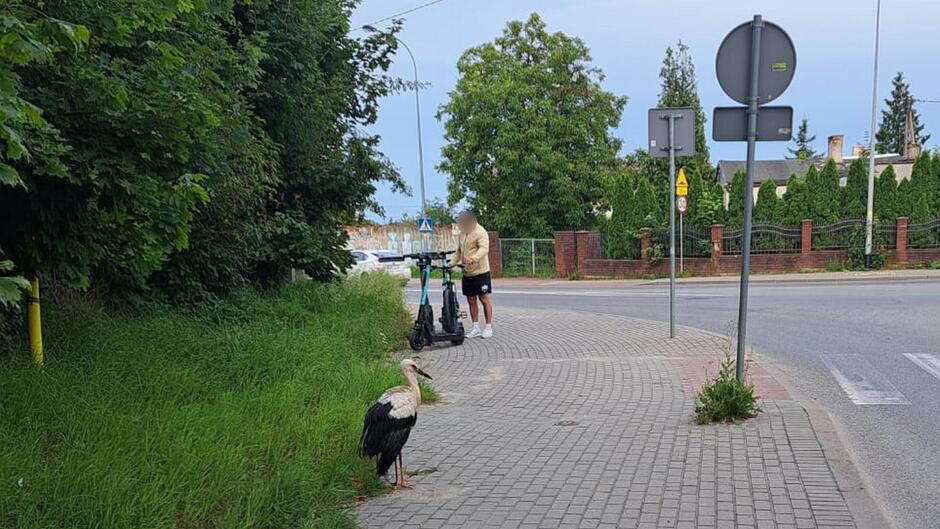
(409, 366)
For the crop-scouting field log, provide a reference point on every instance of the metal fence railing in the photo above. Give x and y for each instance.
(694, 242)
(527, 257)
(836, 236)
(886, 235)
(765, 238)
(924, 234)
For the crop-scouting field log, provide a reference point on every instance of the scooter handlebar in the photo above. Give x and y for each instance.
(428, 255)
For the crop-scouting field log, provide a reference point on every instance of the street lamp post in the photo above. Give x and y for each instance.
(414, 63)
(870, 212)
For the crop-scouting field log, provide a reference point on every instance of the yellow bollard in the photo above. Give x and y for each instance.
(34, 322)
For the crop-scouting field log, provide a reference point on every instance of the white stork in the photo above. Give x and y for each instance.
(389, 421)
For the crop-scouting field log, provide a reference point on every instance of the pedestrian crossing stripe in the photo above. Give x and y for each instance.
(928, 362)
(862, 383)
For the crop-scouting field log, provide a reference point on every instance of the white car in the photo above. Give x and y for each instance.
(363, 262)
(395, 268)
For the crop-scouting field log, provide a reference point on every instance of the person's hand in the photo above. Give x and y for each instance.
(468, 261)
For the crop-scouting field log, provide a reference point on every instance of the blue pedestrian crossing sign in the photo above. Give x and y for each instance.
(425, 225)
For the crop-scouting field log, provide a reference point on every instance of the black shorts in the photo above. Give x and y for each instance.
(477, 285)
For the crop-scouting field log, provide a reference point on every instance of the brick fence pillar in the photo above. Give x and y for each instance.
(588, 244)
(644, 243)
(565, 253)
(806, 243)
(495, 258)
(718, 231)
(902, 240)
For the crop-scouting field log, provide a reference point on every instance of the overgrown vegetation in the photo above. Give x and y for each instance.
(246, 414)
(725, 398)
(185, 149)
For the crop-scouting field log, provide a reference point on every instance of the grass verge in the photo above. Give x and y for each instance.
(246, 414)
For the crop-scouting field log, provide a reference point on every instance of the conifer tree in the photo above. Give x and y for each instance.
(804, 149)
(891, 132)
(796, 201)
(855, 200)
(886, 195)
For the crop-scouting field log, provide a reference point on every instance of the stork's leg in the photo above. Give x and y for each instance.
(400, 482)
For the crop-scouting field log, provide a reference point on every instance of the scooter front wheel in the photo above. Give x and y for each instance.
(460, 335)
(416, 340)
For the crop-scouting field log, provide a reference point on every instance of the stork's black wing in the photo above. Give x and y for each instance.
(384, 435)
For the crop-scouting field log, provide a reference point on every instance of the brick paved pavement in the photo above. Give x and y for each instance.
(580, 420)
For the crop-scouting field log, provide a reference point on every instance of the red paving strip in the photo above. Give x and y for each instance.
(694, 371)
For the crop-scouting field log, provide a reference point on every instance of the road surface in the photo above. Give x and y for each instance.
(866, 350)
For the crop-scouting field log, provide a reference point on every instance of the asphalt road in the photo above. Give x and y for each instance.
(868, 351)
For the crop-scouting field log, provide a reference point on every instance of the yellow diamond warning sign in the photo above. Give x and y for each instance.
(682, 184)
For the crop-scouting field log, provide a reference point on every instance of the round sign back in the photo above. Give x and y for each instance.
(777, 63)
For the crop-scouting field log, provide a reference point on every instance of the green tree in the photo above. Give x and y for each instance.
(886, 195)
(796, 200)
(624, 216)
(824, 192)
(191, 147)
(905, 199)
(935, 184)
(318, 91)
(769, 207)
(735, 213)
(891, 136)
(921, 190)
(649, 213)
(679, 88)
(30, 143)
(804, 149)
(855, 201)
(528, 131)
(115, 187)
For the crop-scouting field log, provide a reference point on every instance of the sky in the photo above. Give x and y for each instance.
(834, 42)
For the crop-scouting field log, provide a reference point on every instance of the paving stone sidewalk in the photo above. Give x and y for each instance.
(583, 420)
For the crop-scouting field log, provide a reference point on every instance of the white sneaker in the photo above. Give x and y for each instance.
(473, 332)
(487, 332)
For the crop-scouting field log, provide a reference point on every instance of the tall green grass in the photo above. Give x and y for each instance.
(246, 414)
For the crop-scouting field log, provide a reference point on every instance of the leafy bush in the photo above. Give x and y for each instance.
(879, 254)
(726, 398)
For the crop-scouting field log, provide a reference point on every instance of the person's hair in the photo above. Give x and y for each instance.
(466, 214)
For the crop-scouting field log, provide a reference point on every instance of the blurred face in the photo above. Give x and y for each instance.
(466, 222)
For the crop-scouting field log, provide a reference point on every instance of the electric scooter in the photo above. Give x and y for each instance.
(424, 332)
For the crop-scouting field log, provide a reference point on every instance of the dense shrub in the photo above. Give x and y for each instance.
(187, 147)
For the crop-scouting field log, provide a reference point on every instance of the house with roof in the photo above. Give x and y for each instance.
(780, 170)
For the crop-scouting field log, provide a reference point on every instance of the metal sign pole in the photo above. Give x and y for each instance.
(752, 110)
(533, 257)
(672, 225)
(870, 210)
(681, 245)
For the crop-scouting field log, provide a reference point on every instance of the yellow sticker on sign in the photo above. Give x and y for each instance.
(682, 184)
(778, 67)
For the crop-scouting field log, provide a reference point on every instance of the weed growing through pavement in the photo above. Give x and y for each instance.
(725, 398)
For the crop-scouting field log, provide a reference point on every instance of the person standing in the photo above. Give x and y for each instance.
(473, 248)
